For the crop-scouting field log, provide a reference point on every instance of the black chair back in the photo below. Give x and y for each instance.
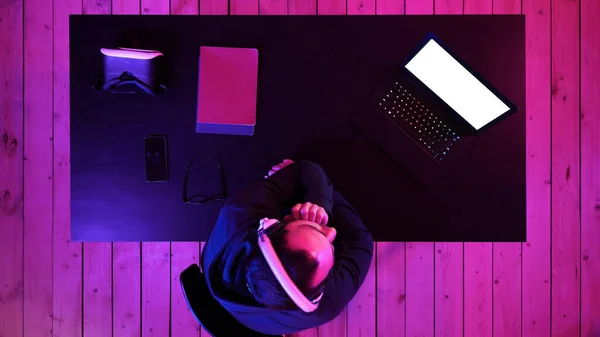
(217, 321)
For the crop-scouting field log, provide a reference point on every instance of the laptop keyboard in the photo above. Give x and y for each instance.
(415, 116)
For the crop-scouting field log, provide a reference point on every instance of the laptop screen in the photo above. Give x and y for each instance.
(455, 85)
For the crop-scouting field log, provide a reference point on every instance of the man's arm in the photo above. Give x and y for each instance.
(298, 181)
(315, 186)
(267, 198)
(354, 254)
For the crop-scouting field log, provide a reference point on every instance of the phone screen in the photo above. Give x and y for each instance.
(157, 168)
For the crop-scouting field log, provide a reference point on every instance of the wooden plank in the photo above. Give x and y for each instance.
(391, 256)
(302, 7)
(183, 323)
(96, 7)
(506, 6)
(37, 169)
(362, 320)
(156, 289)
(126, 279)
(306, 333)
(156, 256)
(183, 254)
(331, 7)
(97, 289)
(449, 7)
(506, 269)
(478, 289)
(506, 291)
(156, 7)
(214, 7)
(336, 327)
(566, 229)
(203, 332)
(449, 289)
(590, 168)
(419, 289)
(360, 7)
(419, 255)
(184, 7)
(391, 7)
(419, 7)
(243, 7)
(449, 257)
(67, 267)
(127, 320)
(11, 169)
(391, 289)
(127, 6)
(477, 256)
(536, 251)
(478, 6)
(273, 7)
(97, 256)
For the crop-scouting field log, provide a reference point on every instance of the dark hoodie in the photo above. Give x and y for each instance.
(226, 251)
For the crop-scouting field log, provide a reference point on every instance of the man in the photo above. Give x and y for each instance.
(321, 242)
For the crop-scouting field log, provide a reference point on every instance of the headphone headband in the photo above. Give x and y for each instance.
(279, 271)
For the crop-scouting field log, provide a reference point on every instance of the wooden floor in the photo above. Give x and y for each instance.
(547, 286)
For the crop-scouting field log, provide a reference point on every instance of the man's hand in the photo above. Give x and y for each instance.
(309, 212)
(279, 166)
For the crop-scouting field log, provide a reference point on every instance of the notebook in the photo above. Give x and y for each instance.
(227, 90)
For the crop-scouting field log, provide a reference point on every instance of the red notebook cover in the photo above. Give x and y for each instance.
(227, 90)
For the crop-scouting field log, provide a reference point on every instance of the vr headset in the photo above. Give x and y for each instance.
(278, 270)
(124, 67)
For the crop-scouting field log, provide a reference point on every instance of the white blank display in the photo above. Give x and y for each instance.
(456, 86)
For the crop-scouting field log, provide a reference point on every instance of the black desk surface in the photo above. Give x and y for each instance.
(313, 72)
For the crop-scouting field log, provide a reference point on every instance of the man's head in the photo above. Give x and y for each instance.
(305, 250)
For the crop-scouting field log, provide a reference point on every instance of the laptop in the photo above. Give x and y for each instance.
(430, 110)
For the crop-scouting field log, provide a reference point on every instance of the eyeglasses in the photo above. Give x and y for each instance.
(204, 199)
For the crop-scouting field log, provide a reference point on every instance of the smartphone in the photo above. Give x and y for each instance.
(157, 161)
